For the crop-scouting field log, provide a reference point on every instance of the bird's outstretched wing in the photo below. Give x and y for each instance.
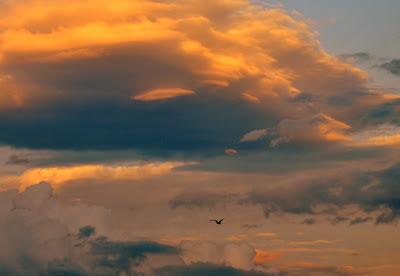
(213, 220)
(221, 220)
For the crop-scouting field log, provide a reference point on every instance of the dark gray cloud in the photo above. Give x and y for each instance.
(201, 269)
(178, 125)
(284, 158)
(360, 220)
(86, 232)
(371, 191)
(392, 66)
(356, 188)
(357, 57)
(385, 113)
(202, 200)
(17, 160)
(339, 219)
(251, 226)
(309, 221)
(120, 257)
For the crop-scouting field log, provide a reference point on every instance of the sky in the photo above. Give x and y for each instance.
(127, 127)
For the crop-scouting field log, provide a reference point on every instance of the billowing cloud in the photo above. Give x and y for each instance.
(373, 192)
(239, 54)
(237, 254)
(71, 240)
(319, 128)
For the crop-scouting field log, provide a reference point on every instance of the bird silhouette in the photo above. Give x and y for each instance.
(217, 221)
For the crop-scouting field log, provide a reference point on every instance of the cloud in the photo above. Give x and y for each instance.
(17, 160)
(49, 222)
(118, 257)
(202, 200)
(206, 269)
(319, 128)
(308, 268)
(150, 51)
(162, 94)
(66, 239)
(315, 242)
(309, 221)
(264, 257)
(393, 66)
(267, 234)
(359, 220)
(380, 135)
(58, 176)
(373, 192)
(237, 254)
(356, 57)
(327, 251)
(254, 135)
(250, 98)
(231, 151)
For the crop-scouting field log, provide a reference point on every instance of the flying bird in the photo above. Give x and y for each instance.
(217, 221)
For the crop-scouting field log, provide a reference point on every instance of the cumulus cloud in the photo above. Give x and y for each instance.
(76, 239)
(238, 54)
(318, 128)
(239, 255)
(373, 192)
(49, 222)
(369, 195)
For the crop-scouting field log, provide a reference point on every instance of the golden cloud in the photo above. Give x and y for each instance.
(162, 94)
(266, 234)
(316, 242)
(232, 46)
(57, 176)
(264, 257)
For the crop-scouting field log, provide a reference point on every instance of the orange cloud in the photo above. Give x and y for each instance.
(339, 270)
(239, 237)
(264, 257)
(318, 128)
(162, 94)
(57, 176)
(232, 46)
(316, 242)
(383, 135)
(340, 251)
(250, 98)
(267, 234)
